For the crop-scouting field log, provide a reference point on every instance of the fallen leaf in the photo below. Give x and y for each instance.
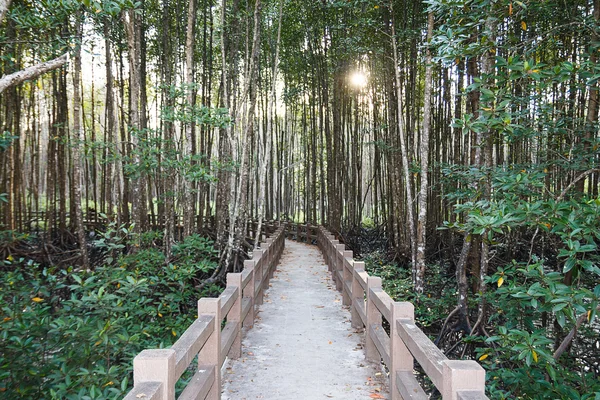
(376, 396)
(139, 396)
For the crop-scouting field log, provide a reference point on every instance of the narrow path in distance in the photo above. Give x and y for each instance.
(302, 346)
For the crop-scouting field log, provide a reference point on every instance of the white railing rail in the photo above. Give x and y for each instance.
(369, 305)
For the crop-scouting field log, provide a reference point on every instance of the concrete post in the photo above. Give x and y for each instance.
(332, 255)
(358, 295)
(269, 256)
(259, 269)
(339, 285)
(373, 318)
(235, 315)
(347, 268)
(462, 376)
(400, 357)
(249, 292)
(210, 355)
(156, 366)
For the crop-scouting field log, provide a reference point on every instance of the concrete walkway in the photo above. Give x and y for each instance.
(302, 346)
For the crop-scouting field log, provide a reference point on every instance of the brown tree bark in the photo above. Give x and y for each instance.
(424, 149)
(78, 141)
(130, 22)
(189, 209)
(405, 156)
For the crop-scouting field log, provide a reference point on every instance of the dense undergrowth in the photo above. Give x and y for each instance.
(72, 334)
(531, 311)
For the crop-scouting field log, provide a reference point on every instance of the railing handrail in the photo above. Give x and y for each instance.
(156, 371)
(369, 305)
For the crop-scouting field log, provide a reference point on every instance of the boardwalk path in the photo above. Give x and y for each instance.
(302, 346)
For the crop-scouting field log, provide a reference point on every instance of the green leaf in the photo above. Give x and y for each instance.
(559, 307)
(569, 265)
(560, 318)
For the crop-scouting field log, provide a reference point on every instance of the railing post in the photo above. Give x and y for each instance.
(249, 292)
(210, 355)
(332, 255)
(235, 315)
(339, 257)
(259, 271)
(281, 244)
(156, 366)
(358, 295)
(318, 237)
(271, 260)
(459, 376)
(400, 356)
(373, 318)
(347, 277)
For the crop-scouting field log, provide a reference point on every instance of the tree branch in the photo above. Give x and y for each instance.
(4, 6)
(569, 338)
(580, 177)
(32, 72)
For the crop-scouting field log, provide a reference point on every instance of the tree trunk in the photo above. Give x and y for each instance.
(405, 155)
(130, 22)
(268, 132)
(189, 211)
(424, 148)
(78, 142)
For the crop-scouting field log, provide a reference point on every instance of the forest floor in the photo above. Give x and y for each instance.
(302, 345)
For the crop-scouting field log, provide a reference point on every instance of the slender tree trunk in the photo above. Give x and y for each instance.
(130, 22)
(78, 141)
(238, 186)
(268, 133)
(485, 145)
(110, 176)
(424, 147)
(405, 156)
(189, 211)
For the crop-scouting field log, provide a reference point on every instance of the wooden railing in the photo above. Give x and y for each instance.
(302, 232)
(370, 304)
(214, 335)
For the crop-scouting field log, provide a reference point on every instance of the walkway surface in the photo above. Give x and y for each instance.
(302, 346)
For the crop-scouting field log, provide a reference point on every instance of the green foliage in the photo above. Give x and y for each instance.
(71, 334)
(397, 282)
(519, 356)
(6, 140)
(535, 304)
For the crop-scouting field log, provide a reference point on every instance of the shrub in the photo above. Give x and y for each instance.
(72, 334)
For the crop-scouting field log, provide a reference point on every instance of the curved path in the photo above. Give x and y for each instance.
(302, 346)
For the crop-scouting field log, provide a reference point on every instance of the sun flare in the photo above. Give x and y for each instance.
(358, 79)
